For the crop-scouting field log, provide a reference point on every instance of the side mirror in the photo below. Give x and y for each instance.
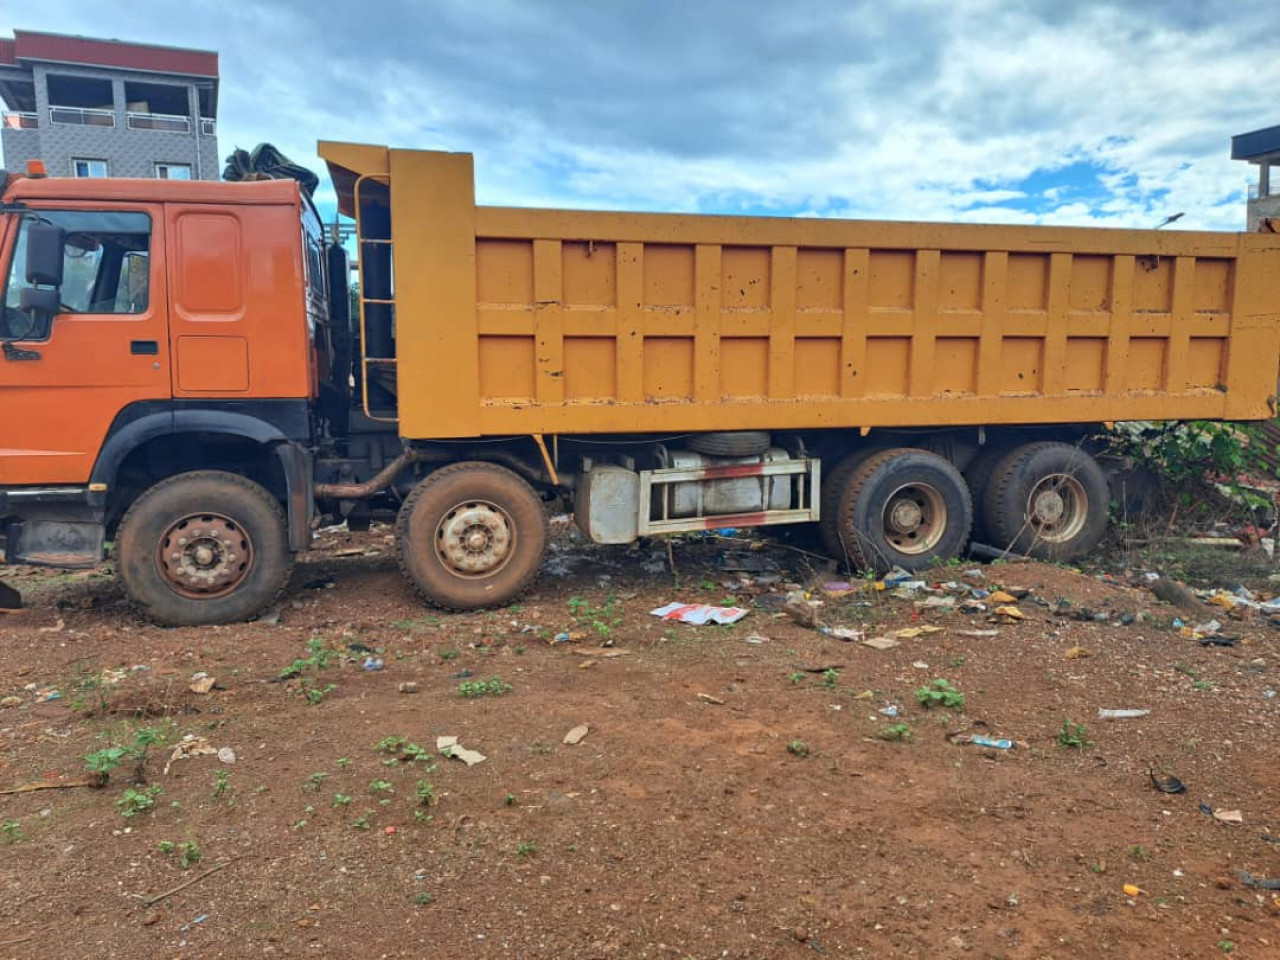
(46, 247)
(39, 301)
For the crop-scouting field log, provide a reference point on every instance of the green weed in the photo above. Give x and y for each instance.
(940, 692)
(491, 687)
(221, 785)
(134, 801)
(899, 731)
(1073, 736)
(189, 854)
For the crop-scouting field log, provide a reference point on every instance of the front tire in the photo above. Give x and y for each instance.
(202, 548)
(471, 535)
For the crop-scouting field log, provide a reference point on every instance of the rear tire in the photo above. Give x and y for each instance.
(978, 477)
(903, 507)
(833, 487)
(471, 535)
(202, 548)
(1047, 500)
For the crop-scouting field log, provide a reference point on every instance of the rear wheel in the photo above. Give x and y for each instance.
(904, 507)
(202, 548)
(833, 487)
(1047, 500)
(978, 476)
(471, 535)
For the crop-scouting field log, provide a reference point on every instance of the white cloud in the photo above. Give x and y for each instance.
(930, 110)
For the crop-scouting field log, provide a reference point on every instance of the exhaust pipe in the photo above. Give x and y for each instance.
(371, 487)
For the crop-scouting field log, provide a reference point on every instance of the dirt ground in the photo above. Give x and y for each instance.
(733, 796)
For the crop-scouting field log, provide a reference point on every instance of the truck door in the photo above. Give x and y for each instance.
(64, 378)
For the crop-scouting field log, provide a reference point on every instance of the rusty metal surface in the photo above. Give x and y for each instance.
(371, 487)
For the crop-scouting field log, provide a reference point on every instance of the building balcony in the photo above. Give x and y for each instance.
(168, 122)
(82, 116)
(20, 121)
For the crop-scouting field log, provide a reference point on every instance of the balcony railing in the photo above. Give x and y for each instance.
(82, 116)
(172, 123)
(21, 121)
(208, 127)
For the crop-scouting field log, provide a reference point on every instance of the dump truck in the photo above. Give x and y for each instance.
(191, 380)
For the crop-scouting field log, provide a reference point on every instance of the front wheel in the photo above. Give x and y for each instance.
(471, 535)
(203, 547)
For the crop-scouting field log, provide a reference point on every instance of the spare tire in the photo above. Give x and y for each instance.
(734, 443)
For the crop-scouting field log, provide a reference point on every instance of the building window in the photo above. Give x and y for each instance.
(173, 171)
(89, 168)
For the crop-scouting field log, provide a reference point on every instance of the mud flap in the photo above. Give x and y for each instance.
(55, 543)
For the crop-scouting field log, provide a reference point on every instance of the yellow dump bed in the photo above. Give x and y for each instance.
(549, 321)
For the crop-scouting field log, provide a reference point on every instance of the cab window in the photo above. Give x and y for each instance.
(106, 266)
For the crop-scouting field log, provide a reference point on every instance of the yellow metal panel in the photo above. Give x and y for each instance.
(548, 318)
(782, 323)
(549, 322)
(744, 367)
(706, 363)
(1057, 321)
(995, 286)
(630, 367)
(437, 341)
(1180, 325)
(924, 323)
(1255, 331)
(1118, 334)
(853, 333)
(817, 367)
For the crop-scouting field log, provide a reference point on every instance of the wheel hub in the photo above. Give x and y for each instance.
(915, 518)
(204, 555)
(1058, 508)
(906, 516)
(475, 539)
(1050, 507)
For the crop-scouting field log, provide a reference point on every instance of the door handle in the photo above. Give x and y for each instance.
(17, 353)
(146, 348)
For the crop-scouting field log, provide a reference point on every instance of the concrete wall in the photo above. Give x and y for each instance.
(1266, 207)
(129, 153)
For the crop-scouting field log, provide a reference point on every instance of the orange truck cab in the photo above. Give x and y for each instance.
(189, 380)
(152, 328)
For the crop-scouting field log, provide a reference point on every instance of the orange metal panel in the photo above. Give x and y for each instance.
(237, 295)
(55, 411)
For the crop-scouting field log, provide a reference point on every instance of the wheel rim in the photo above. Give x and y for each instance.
(914, 518)
(475, 539)
(1057, 508)
(204, 555)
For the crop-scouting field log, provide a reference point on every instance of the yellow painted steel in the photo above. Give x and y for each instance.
(549, 321)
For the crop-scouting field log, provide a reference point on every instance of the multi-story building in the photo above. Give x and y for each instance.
(1261, 148)
(104, 108)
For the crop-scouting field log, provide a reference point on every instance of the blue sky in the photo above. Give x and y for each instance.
(1102, 112)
